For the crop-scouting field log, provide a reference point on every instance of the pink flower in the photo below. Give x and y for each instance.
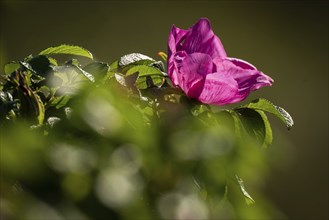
(198, 64)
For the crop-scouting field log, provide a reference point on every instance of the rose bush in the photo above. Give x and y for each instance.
(117, 141)
(198, 64)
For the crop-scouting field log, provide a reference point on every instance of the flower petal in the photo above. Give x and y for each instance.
(192, 70)
(174, 63)
(219, 89)
(176, 36)
(245, 74)
(241, 63)
(200, 38)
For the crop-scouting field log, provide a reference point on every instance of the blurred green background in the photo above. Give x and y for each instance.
(287, 40)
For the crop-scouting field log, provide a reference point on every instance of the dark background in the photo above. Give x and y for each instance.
(287, 40)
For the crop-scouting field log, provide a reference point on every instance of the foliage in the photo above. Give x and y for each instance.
(118, 140)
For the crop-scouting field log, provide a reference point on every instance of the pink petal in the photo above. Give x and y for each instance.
(200, 38)
(174, 64)
(176, 35)
(192, 70)
(245, 74)
(175, 39)
(219, 89)
(241, 63)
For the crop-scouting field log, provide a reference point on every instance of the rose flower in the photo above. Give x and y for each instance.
(198, 64)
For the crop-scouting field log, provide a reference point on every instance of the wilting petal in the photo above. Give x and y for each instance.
(245, 74)
(200, 38)
(192, 70)
(219, 89)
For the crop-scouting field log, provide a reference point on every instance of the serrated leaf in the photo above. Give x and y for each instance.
(268, 130)
(256, 125)
(237, 123)
(67, 79)
(52, 61)
(142, 76)
(129, 59)
(113, 70)
(97, 69)
(27, 66)
(11, 67)
(225, 119)
(114, 65)
(159, 65)
(68, 50)
(144, 70)
(29, 57)
(248, 198)
(86, 74)
(120, 79)
(267, 106)
(61, 101)
(144, 82)
(40, 65)
(75, 64)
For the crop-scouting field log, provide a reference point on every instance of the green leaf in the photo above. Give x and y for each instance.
(52, 61)
(121, 79)
(159, 65)
(113, 70)
(146, 76)
(68, 50)
(238, 129)
(11, 67)
(267, 106)
(248, 198)
(7, 104)
(114, 65)
(27, 66)
(86, 74)
(75, 64)
(256, 125)
(144, 82)
(226, 120)
(144, 70)
(97, 69)
(40, 64)
(68, 79)
(199, 109)
(128, 61)
(61, 101)
(31, 106)
(132, 58)
(268, 130)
